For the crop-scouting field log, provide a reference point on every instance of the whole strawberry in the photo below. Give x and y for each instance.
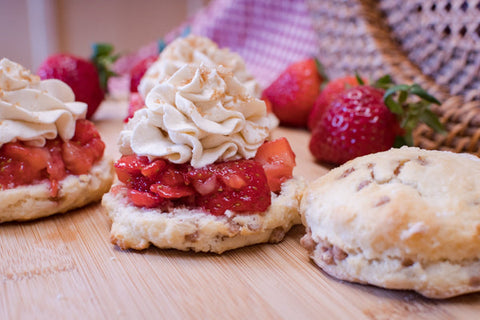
(355, 124)
(293, 93)
(135, 102)
(87, 79)
(137, 72)
(333, 89)
(366, 119)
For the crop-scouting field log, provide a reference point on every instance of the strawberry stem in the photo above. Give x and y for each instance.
(103, 60)
(359, 79)
(186, 31)
(409, 114)
(384, 82)
(321, 70)
(161, 45)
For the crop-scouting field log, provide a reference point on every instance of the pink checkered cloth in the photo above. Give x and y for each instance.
(268, 34)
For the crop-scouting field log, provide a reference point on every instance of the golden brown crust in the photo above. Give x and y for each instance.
(402, 219)
(34, 201)
(185, 229)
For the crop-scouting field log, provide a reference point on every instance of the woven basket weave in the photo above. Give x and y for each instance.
(433, 43)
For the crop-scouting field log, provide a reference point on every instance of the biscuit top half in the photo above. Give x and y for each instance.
(408, 203)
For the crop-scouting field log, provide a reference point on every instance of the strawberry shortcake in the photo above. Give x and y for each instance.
(198, 171)
(51, 158)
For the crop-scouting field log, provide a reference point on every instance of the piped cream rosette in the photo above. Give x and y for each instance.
(200, 115)
(197, 50)
(33, 110)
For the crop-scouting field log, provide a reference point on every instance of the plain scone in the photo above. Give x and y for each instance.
(34, 201)
(184, 229)
(401, 219)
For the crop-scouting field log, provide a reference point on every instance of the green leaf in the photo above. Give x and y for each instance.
(419, 91)
(384, 82)
(399, 141)
(321, 71)
(186, 31)
(359, 79)
(394, 89)
(161, 45)
(408, 139)
(393, 105)
(103, 59)
(431, 120)
(402, 97)
(102, 49)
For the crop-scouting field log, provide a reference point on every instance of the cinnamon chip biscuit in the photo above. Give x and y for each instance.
(401, 219)
(193, 229)
(34, 201)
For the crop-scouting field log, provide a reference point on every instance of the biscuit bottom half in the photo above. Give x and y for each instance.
(194, 229)
(401, 219)
(34, 201)
(433, 279)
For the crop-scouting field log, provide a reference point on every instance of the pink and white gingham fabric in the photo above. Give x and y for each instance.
(268, 34)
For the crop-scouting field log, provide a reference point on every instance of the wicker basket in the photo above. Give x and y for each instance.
(433, 43)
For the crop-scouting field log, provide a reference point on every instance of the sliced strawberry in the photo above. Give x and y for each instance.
(240, 186)
(15, 172)
(253, 196)
(85, 147)
(22, 164)
(171, 192)
(173, 175)
(153, 168)
(137, 72)
(278, 161)
(205, 186)
(55, 167)
(36, 157)
(128, 166)
(144, 199)
(234, 181)
(94, 149)
(85, 131)
(76, 160)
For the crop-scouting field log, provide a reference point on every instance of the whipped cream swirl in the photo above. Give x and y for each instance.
(33, 110)
(200, 115)
(197, 50)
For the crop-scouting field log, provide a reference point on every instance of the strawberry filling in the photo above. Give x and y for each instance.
(21, 164)
(242, 186)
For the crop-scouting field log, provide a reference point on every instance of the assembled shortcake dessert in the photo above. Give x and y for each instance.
(197, 172)
(51, 158)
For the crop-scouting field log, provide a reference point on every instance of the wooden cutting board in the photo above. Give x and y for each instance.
(65, 267)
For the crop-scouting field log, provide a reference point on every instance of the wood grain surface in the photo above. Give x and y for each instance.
(64, 267)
